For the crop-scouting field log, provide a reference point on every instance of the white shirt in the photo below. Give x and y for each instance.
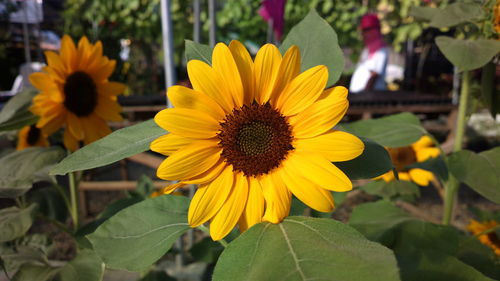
(377, 63)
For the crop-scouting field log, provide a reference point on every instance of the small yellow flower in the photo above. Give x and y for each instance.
(402, 157)
(75, 93)
(30, 136)
(253, 132)
(489, 239)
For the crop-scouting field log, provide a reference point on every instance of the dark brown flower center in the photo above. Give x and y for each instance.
(494, 239)
(402, 157)
(255, 139)
(80, 94)
(33, 135)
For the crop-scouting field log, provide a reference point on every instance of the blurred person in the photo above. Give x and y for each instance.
(371, 69)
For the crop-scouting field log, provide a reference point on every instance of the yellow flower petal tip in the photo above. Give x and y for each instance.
(75, 93)
(488, 238)
(252, 133)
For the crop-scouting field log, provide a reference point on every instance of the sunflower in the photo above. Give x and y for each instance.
(75, 93)
(251, 133)
(402, 157)
(496, 18)
(30, 136)
(489, 239)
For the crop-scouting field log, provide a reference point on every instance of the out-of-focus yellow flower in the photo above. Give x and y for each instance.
(31, 136)
(489, 239)
(75, 93)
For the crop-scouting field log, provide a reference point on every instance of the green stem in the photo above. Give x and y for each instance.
(207, 231)
(73, 192)
(453, 184)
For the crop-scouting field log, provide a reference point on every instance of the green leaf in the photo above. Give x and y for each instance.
(20, 168)
(157, 276)
(392, 131)
(320, 47)
(373, 162)
(479, 256)
(86, 266)
(50, 203)
(15, 258)
(139, 235)
(437, 165)
(303, 248)
(393, 189)
(145, 187)
(423, 13)
(34, 272)
(15, 222)
(206, 250)
(15, 114)
(468, 54)
(197, 51)
(480, 172)
(489, 92)
(114, 147)
(455, 14)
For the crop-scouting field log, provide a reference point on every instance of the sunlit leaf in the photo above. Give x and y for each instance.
(197, 51)
(455, 14)
(139, 235)
(468, 54)
(303, 248)
(320, 47)
(114, 147)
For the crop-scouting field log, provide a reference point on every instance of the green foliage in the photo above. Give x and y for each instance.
(206, 250)
(489, 93)
(393, 190)
(15, 222)
(35, 272)
(468, 54)
(338, 253)
(114, 147)
(480, 171)
(197, 51)
(373, 162)
(436, 165)
(85, 267)
(21, 168)
(393, 131)
(322, 41)
(50, 203)
(15, 114)
(452, 15)
(139, 235)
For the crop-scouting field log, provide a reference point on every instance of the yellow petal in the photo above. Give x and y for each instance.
(204, 80)
(313, 196)
(74, 126)
(68, 53)
(424, 141)
(209, 198)
(302, 91)
(54, 62)
(426, 153)
(94, 128)
(42, 81)
(404, 176)
(84, 49)
(267, 63)
(70, 142)
(169, 189)
(226, 69)
(277, 196)
(49, 123)
(229, 214)
(111, 88)
(182, 97)
(108, 109)
(101, 72)
(336, 146)
(320, 117)
(187, 123)
(245, 67)
(289, 69)
(190, 161)
(169, 144)
(209, 175)
(254, 206)
(421, 176)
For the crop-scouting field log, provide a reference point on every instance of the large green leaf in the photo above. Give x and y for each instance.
(423, 13)
(373, 162)
(393, 189)
(114, 147)
(50, 203)
(392, 131)
(455, 14)
(139, 235)
(318, 45)
(437, 165)
(15, 114)
(20, 168)
(15, 222)
(35, 272)
(303, 248)
(197, 51)
(468, 54)
(86, 266)
(480, 171)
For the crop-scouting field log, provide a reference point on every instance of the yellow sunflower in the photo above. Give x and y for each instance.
(75, 93)
(489, 239)
(251, 133)
(30, 136)
(402, 157)
(496, 18)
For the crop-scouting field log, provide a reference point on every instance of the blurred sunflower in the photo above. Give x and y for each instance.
(489, 239)
(496, 18)
(30, 136)
(251, 134)
(402, 157)
(75, 93)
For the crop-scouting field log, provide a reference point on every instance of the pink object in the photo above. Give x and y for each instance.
(370, 21)
(275, 10)
(372, 37)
